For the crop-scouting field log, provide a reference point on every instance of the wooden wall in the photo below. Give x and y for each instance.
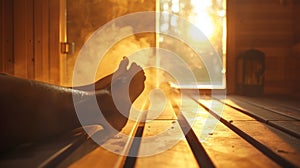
(269, 26)
(31, 32)
(30, 39)
(6, 41)
(85, 17)
(296, 48)
(32, 29)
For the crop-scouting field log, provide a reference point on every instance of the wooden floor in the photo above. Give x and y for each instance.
(191, 131)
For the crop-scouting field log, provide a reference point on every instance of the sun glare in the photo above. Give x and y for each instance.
(208, 16)
(200, 17)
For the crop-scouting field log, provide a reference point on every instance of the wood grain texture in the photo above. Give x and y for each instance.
(224, 147)
(262, 113)
(231, 53)
(166, 140)
(283, 107)
(1, 36)
(23, 38)
(262, 132)
(41, 37)
(54, 41)
(7, 37)
(111, 153)
(268, 26)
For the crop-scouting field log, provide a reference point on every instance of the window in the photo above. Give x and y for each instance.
(198, 23)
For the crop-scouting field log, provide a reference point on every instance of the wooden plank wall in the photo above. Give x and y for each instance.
(1, 35)
(55, 56)
(296, 48)
(6, 52)
(266, 25)
(30, 39)
(41, 31)
(23, 38)
(30, 36)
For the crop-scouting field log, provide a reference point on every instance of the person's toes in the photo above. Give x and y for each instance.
(123, 65)
(134, 68)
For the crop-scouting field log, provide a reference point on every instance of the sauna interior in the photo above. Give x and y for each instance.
(236, 105)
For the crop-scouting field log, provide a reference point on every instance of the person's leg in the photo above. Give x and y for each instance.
(32, 110)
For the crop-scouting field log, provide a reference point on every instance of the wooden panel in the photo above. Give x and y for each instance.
(275, 69)
(41, 37)
(167, 138)
(266, 25)
(260, 12)
(264, 2)
(224, 147)
(100, 156)
(272, 105)
(261, 113)
(44, 154)
(284, 145)
(163, 143)
(229, 150)
(113, 150)
(296, 59)
(296, 14)
(161, 111)
(7, 38)
(259, 134)
(268, 117)
(23, 38)
(20, 38)
(231, 54)
(26, 37)
(1, 35)
(62, 38)
(30, 39)
(284, 102)
(54, 41)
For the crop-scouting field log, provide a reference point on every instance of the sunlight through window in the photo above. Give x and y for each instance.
(208, 16)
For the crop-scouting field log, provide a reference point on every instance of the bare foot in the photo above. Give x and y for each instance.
(128, 82)
(126, 85)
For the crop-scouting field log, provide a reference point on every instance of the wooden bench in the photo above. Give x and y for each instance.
(204, 132)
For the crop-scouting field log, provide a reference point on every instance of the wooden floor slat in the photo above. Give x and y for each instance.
(111, 153)
(166, 138)
(225, 148)
(208, 132)
(282, 102)
(243, 138)
(293, 127)
(289, 125)
(262, 113)
(271, 105)
(163, 143)
(47, 153)
(284, 145)
(260, 133)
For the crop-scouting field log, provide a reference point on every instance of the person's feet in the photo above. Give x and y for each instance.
(128, 81)
(126, 85)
